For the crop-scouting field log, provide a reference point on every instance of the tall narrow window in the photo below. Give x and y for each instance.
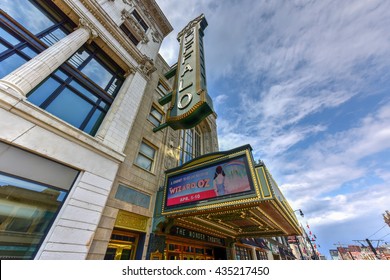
(146, 156)
(139, 19)
(162, 88)
(155, 116)
(129, 34)
(190, 144)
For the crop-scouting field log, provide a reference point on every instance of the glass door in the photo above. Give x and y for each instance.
(122, 246)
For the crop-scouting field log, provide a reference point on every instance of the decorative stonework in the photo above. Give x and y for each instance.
(83, 23)
(190, 25)
(147, 66)
(131, 221)
(127, 2)
(134, 26)
(156, 37)
(152, 11)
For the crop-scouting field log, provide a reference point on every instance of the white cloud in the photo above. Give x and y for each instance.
(286, 66)
(220, 99)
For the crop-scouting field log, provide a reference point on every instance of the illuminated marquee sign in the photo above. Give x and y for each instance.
(223, 179)
(190, 102)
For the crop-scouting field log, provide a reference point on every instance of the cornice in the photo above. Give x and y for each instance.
(97, 11)
(154, 13)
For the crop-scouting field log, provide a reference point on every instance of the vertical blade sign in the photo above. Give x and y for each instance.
(190, 102)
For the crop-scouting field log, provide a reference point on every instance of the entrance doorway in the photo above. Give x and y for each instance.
(184, 251)
(122, 246)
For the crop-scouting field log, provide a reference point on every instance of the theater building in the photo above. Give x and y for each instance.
(97, 130)
(218, 206)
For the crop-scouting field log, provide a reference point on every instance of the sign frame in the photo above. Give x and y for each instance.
(225, 201)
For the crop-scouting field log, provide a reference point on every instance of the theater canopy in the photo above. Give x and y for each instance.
(228, 195)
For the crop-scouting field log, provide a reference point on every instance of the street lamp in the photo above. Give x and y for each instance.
(300, 212)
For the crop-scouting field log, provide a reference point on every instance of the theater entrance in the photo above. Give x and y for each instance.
(190, 250)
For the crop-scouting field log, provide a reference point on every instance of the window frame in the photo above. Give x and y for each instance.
(138, 18)
(196, 135)
(105, 96)
(151, 117)
(140, 153)
(49, 224)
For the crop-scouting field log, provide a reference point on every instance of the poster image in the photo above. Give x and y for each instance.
(218, 180)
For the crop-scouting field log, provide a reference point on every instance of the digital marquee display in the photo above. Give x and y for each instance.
(225, 178)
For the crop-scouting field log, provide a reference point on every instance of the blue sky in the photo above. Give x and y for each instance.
(307, 84)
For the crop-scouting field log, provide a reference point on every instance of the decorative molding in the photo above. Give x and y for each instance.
(131, 221)
(156, 37)
(83, 23)
(147, 66)
(127, 2)
(134, 26)
(190, 25)
(154, 14)
(112, 28)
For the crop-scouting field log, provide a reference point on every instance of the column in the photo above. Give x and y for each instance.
(33, 72)
(116, 127)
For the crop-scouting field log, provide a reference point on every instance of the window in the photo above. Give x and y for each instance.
(145, 158)
(139, 19)
(261, 255)
(129, 34)
(155, 116)
(17, 45)
(162, 89)
(243, 253)
(27, 209)
(190, 144)
(123, 245)
(81, 91)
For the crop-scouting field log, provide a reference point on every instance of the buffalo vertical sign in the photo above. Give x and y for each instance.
(190, 103)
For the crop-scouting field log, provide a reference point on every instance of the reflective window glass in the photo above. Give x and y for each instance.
(70, 107)
(94, 76)
(30, 52)
(61, 74)
(83, 90)
(147, 150)
(40, 94)
(53, 37)
(78, 58)
(97, 73)
(10, 64)
(155, 116)
(26, 211)
(94, 122)
(2, 48)
(144, 162)
(8, 37)
(145, 156)
(30, 17)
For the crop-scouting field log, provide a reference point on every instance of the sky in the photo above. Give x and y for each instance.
(307, 84)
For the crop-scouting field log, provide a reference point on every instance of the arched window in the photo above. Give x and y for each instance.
(190, 144)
